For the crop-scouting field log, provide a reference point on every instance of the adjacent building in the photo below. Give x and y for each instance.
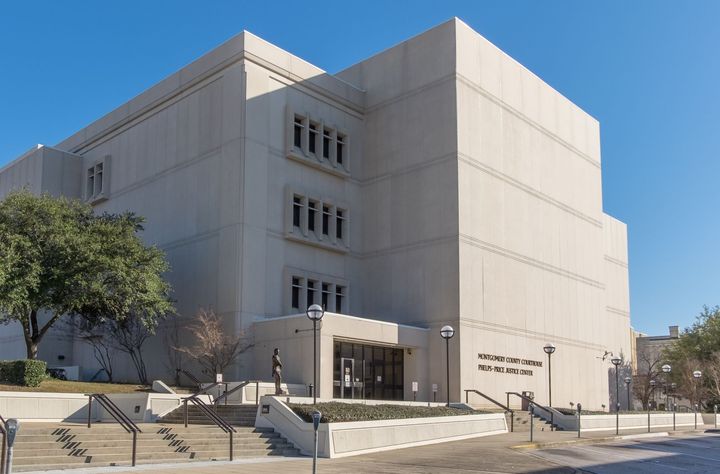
(437, 182)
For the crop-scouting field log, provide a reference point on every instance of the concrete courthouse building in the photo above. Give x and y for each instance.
(437, 182)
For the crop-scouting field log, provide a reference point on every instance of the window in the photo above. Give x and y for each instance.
(340, 149)
(296, 289)
(325, 295)
(312, 138)
(327, 139)
(298, 128)
(297, 210)
(339, 223)
(311, 290)
(306, 288)
(339, 295)
(96, 181)
(312, 212)
(326, 220)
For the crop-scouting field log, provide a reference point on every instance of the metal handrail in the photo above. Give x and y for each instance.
(124, 421)
(504, 407)
(212, 416)
(3, 451)
(549, 410)
(189, 375)
(203, 391)
(227, 394)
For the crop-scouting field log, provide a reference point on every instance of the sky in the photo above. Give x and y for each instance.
(648, 70)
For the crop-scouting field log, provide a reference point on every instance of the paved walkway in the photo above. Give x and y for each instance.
(508, 453)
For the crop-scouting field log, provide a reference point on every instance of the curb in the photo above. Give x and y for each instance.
(581, 441)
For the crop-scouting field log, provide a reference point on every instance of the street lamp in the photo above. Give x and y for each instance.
(697, 374)
(616, 361)
(549, 349)
(447, 332)
(666, 370)
(628, 380)
(315, 313)
(652, 392)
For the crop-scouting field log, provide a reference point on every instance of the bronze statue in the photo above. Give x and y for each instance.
(277, 371)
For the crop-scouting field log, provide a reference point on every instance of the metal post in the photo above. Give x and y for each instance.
(579, 415)
(549, 380)
(134, 447)
(314, 362)
(648, 405)
(186, 412)
(257, 392)
(617, 401)
(89, 409)
(715, 409)
(674, 407)
(696, 407)
(316, 416)
(532, 422)
(231, 445)
(627, 386)
(512, 421)
(3, 450)
(447, 367)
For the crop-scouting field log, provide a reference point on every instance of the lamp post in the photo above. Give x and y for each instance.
(697, 374)
(315, 313)
(666, 370)
(616, 361)
(652, 392)
(447, 332)
(549, 350)
(628, 380)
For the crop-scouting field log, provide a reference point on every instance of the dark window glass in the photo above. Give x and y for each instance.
(325, 295)
(310, 293)
(297, 133)
(340, 148)
(326, 146)
(312, 210)
(296, 293)
(326, 220)
(339, 299)
(339, 224)
(313, 138)
(297, 207)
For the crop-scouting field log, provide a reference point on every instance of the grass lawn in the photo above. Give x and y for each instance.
(333, 412)
(66, 386)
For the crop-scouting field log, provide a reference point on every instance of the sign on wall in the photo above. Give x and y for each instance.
(508, 363)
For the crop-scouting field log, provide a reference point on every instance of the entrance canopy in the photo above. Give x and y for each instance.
(357, 357)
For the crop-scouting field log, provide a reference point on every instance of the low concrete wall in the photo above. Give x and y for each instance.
(627, 421)
(73, 407)
(361, 437)
(711, 419)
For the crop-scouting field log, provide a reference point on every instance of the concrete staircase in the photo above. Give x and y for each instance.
(236, 415)
(521, 422)
(66, 446)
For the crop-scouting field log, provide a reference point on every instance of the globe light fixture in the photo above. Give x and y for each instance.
(549, 350)
(315, 313)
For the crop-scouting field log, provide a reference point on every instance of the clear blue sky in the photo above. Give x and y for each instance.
(649, 71)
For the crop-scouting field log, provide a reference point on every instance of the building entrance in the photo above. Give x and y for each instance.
(363, 371)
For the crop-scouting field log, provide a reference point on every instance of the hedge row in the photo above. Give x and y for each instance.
(336, 412)
(28, 373)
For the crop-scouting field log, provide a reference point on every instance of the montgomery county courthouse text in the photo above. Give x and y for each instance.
(437, 182)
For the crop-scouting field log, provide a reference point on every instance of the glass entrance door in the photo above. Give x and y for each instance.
(365, 371)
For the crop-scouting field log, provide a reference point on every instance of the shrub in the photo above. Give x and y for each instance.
(28, 373)
(335, 412)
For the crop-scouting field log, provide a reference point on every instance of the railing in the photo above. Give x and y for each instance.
(212, 416)
(203, 391)
(548, 410)
(504, 407)
(189, 375)
(119, 416)
(3, 452)
(242, 385)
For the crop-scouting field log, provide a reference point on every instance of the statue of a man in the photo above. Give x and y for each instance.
(277, 371)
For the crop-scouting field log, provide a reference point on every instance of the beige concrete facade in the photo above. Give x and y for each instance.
(459, 188)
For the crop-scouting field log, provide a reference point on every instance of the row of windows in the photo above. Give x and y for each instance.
(307, 291)
(314, 139)
(318, 222)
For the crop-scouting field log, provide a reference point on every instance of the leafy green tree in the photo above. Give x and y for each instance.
(58, 258)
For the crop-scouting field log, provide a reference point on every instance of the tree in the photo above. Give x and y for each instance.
(649, 362)
(58, 258)
(129, 336)
(214, 350)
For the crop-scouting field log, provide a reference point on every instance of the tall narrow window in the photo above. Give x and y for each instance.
(312, 213)
(339, 298)
(296, 289)
(327, 140)
(325, 295)
(340, 223)
(90, 188)
(340, 153)
(297, 132)
(98, 178)
(297, 209)
(311, 290)
(326, 220)
(312, 138)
